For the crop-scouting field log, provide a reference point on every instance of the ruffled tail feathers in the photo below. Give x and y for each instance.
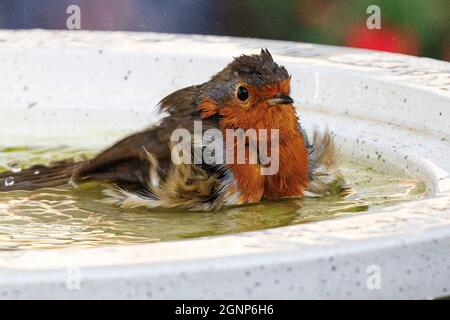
(38, 177)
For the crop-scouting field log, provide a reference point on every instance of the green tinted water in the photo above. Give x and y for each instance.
(67, 217)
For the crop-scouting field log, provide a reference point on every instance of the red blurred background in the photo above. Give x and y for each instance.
(416, 27)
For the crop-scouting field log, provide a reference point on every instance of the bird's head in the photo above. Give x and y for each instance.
(250, 86)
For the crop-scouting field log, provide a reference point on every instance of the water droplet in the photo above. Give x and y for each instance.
(15, 168)
(9, 182)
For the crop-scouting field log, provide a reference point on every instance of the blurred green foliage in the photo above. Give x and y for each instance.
(330, 21)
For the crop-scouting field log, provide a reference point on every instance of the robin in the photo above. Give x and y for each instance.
(250, 93)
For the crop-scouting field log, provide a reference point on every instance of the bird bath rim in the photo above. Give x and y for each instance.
(308, 260)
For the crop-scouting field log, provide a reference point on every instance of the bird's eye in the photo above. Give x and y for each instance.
(242, 93)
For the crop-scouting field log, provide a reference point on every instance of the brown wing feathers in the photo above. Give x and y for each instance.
(126, 164)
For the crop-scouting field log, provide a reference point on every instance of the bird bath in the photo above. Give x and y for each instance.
(387, 111)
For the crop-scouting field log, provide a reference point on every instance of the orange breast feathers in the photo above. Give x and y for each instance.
(291, 179)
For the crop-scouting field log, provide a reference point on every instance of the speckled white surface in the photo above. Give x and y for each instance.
(387, 108)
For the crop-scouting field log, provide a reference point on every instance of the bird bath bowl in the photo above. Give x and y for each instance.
(387, 109)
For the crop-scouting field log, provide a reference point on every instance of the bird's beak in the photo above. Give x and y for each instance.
(280, 98)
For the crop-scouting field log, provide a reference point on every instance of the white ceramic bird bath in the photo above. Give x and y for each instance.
(57, 87)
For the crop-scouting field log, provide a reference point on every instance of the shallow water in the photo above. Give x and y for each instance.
(66, 217)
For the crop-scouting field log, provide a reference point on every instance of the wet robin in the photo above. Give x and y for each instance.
(250, 93)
